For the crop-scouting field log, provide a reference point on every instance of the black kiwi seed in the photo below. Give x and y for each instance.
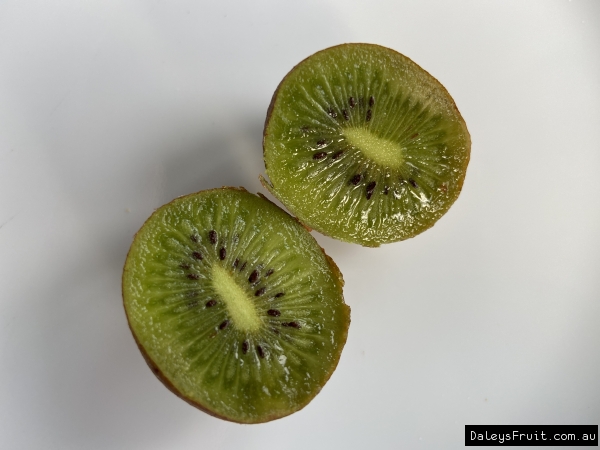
(222, 253)
(336, 155)
(356, 179)
(194, 238)
(291, 324)
(253, 277)
(413, 183)
(197, 255)
(414, 135)
(260, 351)
(369, 114)
(351, 102)
(370, 189)
(184, 266)
(269, 273)
(243, 266)
(211, 303)
(321, 143)
(319, 155)
(332, 112)
(274, 312)
(386, 190)
(280, 294)
(193, 276)
(275, 330)
(260, 292)
(245, 347)
(371, 100)
(223, 324)
(345, 113)
(212, 236)
(236, 262)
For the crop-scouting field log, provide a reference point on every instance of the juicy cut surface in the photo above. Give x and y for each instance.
(363, 145)
(235, 305)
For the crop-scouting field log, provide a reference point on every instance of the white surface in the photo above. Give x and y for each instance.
(109, 109)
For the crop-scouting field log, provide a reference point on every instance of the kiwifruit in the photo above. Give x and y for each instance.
(234, 305)
(363, 145)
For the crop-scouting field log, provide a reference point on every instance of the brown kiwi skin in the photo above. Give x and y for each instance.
(170, 386)
(264, 182)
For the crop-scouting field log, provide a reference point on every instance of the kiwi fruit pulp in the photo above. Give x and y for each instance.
(363, 145)
(234, 305)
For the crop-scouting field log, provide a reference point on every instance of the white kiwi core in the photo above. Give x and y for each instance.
(382, 151)
(239, 304)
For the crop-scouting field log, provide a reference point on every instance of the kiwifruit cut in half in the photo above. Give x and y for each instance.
(363, 145)
(234, 305)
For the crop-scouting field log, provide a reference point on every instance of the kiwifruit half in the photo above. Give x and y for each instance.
(363, 145)
(234, 305)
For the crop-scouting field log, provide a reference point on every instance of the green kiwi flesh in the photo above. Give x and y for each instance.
(363, 145)
(234, 305)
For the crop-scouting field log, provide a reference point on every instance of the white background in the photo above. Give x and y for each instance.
(109, 109)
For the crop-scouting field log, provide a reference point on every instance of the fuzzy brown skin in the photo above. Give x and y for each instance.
(169, 385)
(264, 182)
